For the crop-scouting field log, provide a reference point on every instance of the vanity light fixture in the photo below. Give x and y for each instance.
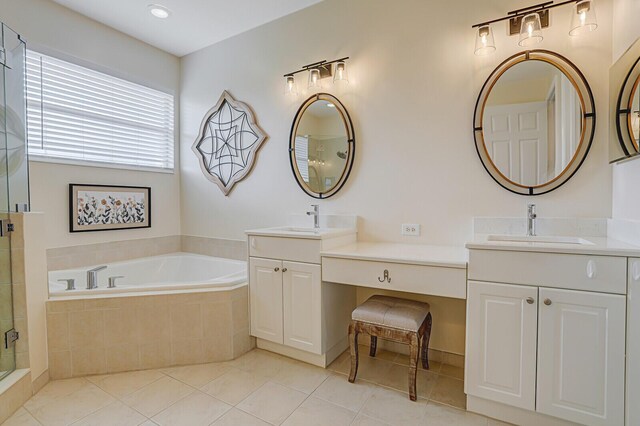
(316, 72)
(159, 11)
(485, 42)
(528, 23)
(330, 105)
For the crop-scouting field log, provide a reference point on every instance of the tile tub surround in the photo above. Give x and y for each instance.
(259, 388)
(15, 390)
(115, 334)
(92, 254)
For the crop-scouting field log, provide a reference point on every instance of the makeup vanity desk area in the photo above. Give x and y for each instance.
(423, 269)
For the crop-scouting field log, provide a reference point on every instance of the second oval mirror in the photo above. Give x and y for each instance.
(321, 146)
(534, 122)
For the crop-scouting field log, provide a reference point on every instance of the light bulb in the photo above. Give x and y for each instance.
(290, 85)
(485, 43)
(584, 18)
(159, 11)
(314, 79)
(530, 30)
(340, 75)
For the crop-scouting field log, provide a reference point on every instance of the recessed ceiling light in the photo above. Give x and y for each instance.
(159, 11)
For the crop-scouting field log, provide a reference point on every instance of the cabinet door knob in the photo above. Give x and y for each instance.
(276, 269)
(547, 302)
(530, 300)
(284, 269)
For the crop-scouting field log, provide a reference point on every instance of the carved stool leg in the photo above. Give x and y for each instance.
(374, 346)
(414, 351)
(425, 343)
(353, 349)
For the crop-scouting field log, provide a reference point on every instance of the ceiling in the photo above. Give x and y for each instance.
(193, 24)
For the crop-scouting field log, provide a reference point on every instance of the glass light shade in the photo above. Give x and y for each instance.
(485, 43)
(340, 74)
(314, 79)
(584, 18)
(530, 30)
(290, 87)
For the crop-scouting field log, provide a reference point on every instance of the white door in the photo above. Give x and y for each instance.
(517, 140)
(501, 343)
(633, 344)
(302, 296)
(581, 354)
(265, 297)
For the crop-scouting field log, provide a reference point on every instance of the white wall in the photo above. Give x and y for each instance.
(626, 176)
(55, 30)
(414, 83)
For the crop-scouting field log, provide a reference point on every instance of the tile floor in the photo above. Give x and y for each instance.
(259, 388)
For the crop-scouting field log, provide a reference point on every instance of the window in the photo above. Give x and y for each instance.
(78, 115)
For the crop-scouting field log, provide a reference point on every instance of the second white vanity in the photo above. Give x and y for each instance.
(546, 331)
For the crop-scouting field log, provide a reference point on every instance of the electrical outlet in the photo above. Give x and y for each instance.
(412, 229)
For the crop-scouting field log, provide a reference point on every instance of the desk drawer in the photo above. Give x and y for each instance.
(607, 274)
(294, 249)
(431, 280)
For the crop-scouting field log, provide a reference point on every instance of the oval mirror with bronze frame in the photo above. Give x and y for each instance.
(628, 112)
(534, 122)
(322, 146)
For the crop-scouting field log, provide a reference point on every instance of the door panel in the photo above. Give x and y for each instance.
(633, 344)
(265, 295)
(581, 354)
(501, 348)
(302, 298)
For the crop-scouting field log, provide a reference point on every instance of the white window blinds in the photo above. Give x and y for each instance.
(302, 156)
(78, 115)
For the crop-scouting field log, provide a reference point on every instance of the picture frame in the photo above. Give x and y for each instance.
(94, 207)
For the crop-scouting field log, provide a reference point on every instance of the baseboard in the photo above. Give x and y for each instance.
(514, 415)
(318, 360)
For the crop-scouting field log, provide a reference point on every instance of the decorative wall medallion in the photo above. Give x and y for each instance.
(228, 141)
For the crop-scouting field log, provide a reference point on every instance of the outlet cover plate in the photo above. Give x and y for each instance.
(411, 229)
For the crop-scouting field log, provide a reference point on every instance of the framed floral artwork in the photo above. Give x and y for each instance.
(106, 207)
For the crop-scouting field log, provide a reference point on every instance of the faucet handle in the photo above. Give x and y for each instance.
(112, 281)
(71, 283)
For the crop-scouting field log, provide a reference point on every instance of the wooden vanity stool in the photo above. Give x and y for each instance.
(392, 318)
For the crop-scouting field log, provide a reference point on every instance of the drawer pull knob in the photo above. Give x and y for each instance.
(276, 269)
(385, 277)
(591, 269)
(636, 270)
(284, 269)
(547, 302)
(530, 300)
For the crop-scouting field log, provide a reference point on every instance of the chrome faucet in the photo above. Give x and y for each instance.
(92, 277)
(531, 220)
(316, 215)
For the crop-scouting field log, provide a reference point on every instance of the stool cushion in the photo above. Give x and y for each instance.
(392, 312)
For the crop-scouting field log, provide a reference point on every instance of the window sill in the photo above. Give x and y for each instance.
(86, 163)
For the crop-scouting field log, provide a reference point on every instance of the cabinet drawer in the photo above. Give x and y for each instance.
(432, 280)
(295, 249)
(606, 274)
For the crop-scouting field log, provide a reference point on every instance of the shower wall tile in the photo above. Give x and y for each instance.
(216, 247)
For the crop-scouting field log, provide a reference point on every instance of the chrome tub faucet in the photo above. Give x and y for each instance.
(316, 215)
(92, 277)
(531, 220)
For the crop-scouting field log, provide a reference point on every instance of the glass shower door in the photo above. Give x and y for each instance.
(13, 167)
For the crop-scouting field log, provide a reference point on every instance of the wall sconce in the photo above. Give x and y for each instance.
(529, 22)
(316, 72)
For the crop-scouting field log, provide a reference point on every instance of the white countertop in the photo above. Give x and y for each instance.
(414, 254)
(301, 232)
(601, 246)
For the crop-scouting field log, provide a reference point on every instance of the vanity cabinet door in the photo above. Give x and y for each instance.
(302, 299)
(633, 343)
(501, 343)
(265, 297)
(581, 356)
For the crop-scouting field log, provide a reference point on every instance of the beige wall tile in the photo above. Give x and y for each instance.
(65, 305)
(40, 382)
(58, 331)
(17, 266)
(216, 350)
(186, 321)
(60, 365)
(19, 292)
(153, 324)
(216, 319)
(184, 352)
(122, 358)
(120, 327)
(88, 360)
(155, 354)
(86, 329)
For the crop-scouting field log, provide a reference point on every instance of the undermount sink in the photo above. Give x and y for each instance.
(302, 230)
(539, 239)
